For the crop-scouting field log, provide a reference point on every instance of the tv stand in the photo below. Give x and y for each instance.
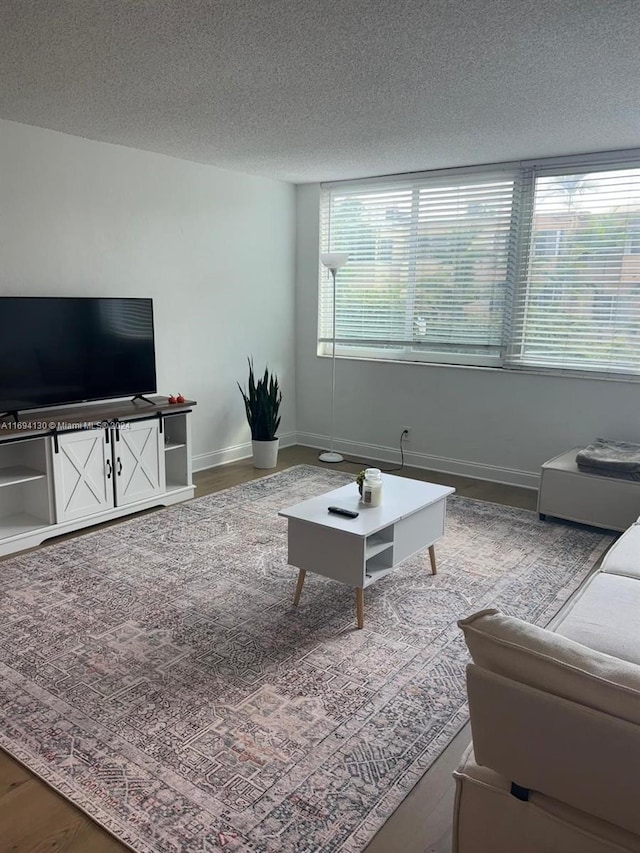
(142, 397)
(65, 469)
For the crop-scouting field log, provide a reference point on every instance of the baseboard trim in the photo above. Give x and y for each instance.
(379, 453)
(234, 453)
(442, 464)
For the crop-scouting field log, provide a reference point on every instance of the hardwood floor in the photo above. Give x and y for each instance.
(34, 819)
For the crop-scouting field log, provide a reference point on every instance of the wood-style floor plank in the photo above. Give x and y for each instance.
(34, 819)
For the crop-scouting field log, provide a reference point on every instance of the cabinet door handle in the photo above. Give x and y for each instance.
(109, 469)
(119, 461)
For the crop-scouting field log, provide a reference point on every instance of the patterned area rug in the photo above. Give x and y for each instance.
(157, 674)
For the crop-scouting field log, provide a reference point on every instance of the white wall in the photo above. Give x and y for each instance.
(479, 422)
(214, 249)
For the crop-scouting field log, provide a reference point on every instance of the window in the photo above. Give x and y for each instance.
(523, 266)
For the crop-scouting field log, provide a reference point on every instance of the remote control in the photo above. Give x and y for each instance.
(338, 510)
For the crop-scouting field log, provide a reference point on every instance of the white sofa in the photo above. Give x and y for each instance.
(554, 766)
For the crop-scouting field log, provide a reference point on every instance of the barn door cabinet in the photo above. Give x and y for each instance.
(64, 480)
(95, 470)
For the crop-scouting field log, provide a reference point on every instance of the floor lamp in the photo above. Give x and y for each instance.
(333, 261)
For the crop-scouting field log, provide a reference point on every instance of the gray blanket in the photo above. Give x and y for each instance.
(611, 459)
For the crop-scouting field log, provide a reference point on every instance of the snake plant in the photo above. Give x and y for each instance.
(262, 401)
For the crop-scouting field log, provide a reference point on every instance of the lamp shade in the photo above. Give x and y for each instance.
(334, 260)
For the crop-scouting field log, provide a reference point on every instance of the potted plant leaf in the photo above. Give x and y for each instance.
(262, 400)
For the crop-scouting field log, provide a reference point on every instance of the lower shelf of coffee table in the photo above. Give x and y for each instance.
(375, 573)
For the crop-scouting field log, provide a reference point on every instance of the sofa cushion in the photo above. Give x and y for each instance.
(623, 558)
(606, 617)
(547, 661)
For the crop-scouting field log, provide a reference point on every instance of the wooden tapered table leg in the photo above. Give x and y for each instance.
(360, 606)
(301, 576)
(432, 557)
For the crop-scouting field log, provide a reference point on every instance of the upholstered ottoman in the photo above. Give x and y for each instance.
(566, 492)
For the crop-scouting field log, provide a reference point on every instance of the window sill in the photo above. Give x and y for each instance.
(508, 371)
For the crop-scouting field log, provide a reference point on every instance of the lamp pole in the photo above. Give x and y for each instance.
(333, 261)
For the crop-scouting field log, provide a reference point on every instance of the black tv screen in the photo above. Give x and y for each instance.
(57, 350)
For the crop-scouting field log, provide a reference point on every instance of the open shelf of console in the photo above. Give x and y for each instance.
(25, 503)
(176, 449)
(16, 474)
(21, 523)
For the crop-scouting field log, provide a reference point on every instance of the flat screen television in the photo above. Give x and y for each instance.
(58, 350)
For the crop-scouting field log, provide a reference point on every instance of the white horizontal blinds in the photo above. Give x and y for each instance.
(462, 258)
(374, 226)
(578, 304)
(428, 263)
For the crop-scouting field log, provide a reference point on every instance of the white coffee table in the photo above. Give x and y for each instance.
(360, 551)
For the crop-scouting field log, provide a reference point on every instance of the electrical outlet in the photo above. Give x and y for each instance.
(406, 434)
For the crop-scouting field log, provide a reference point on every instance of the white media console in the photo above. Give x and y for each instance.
(69, 468)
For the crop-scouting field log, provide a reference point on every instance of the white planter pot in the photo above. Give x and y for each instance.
(265, 453)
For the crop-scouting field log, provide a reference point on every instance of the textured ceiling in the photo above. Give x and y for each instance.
(328, 89)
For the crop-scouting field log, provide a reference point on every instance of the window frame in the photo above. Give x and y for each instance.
(525, 173)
